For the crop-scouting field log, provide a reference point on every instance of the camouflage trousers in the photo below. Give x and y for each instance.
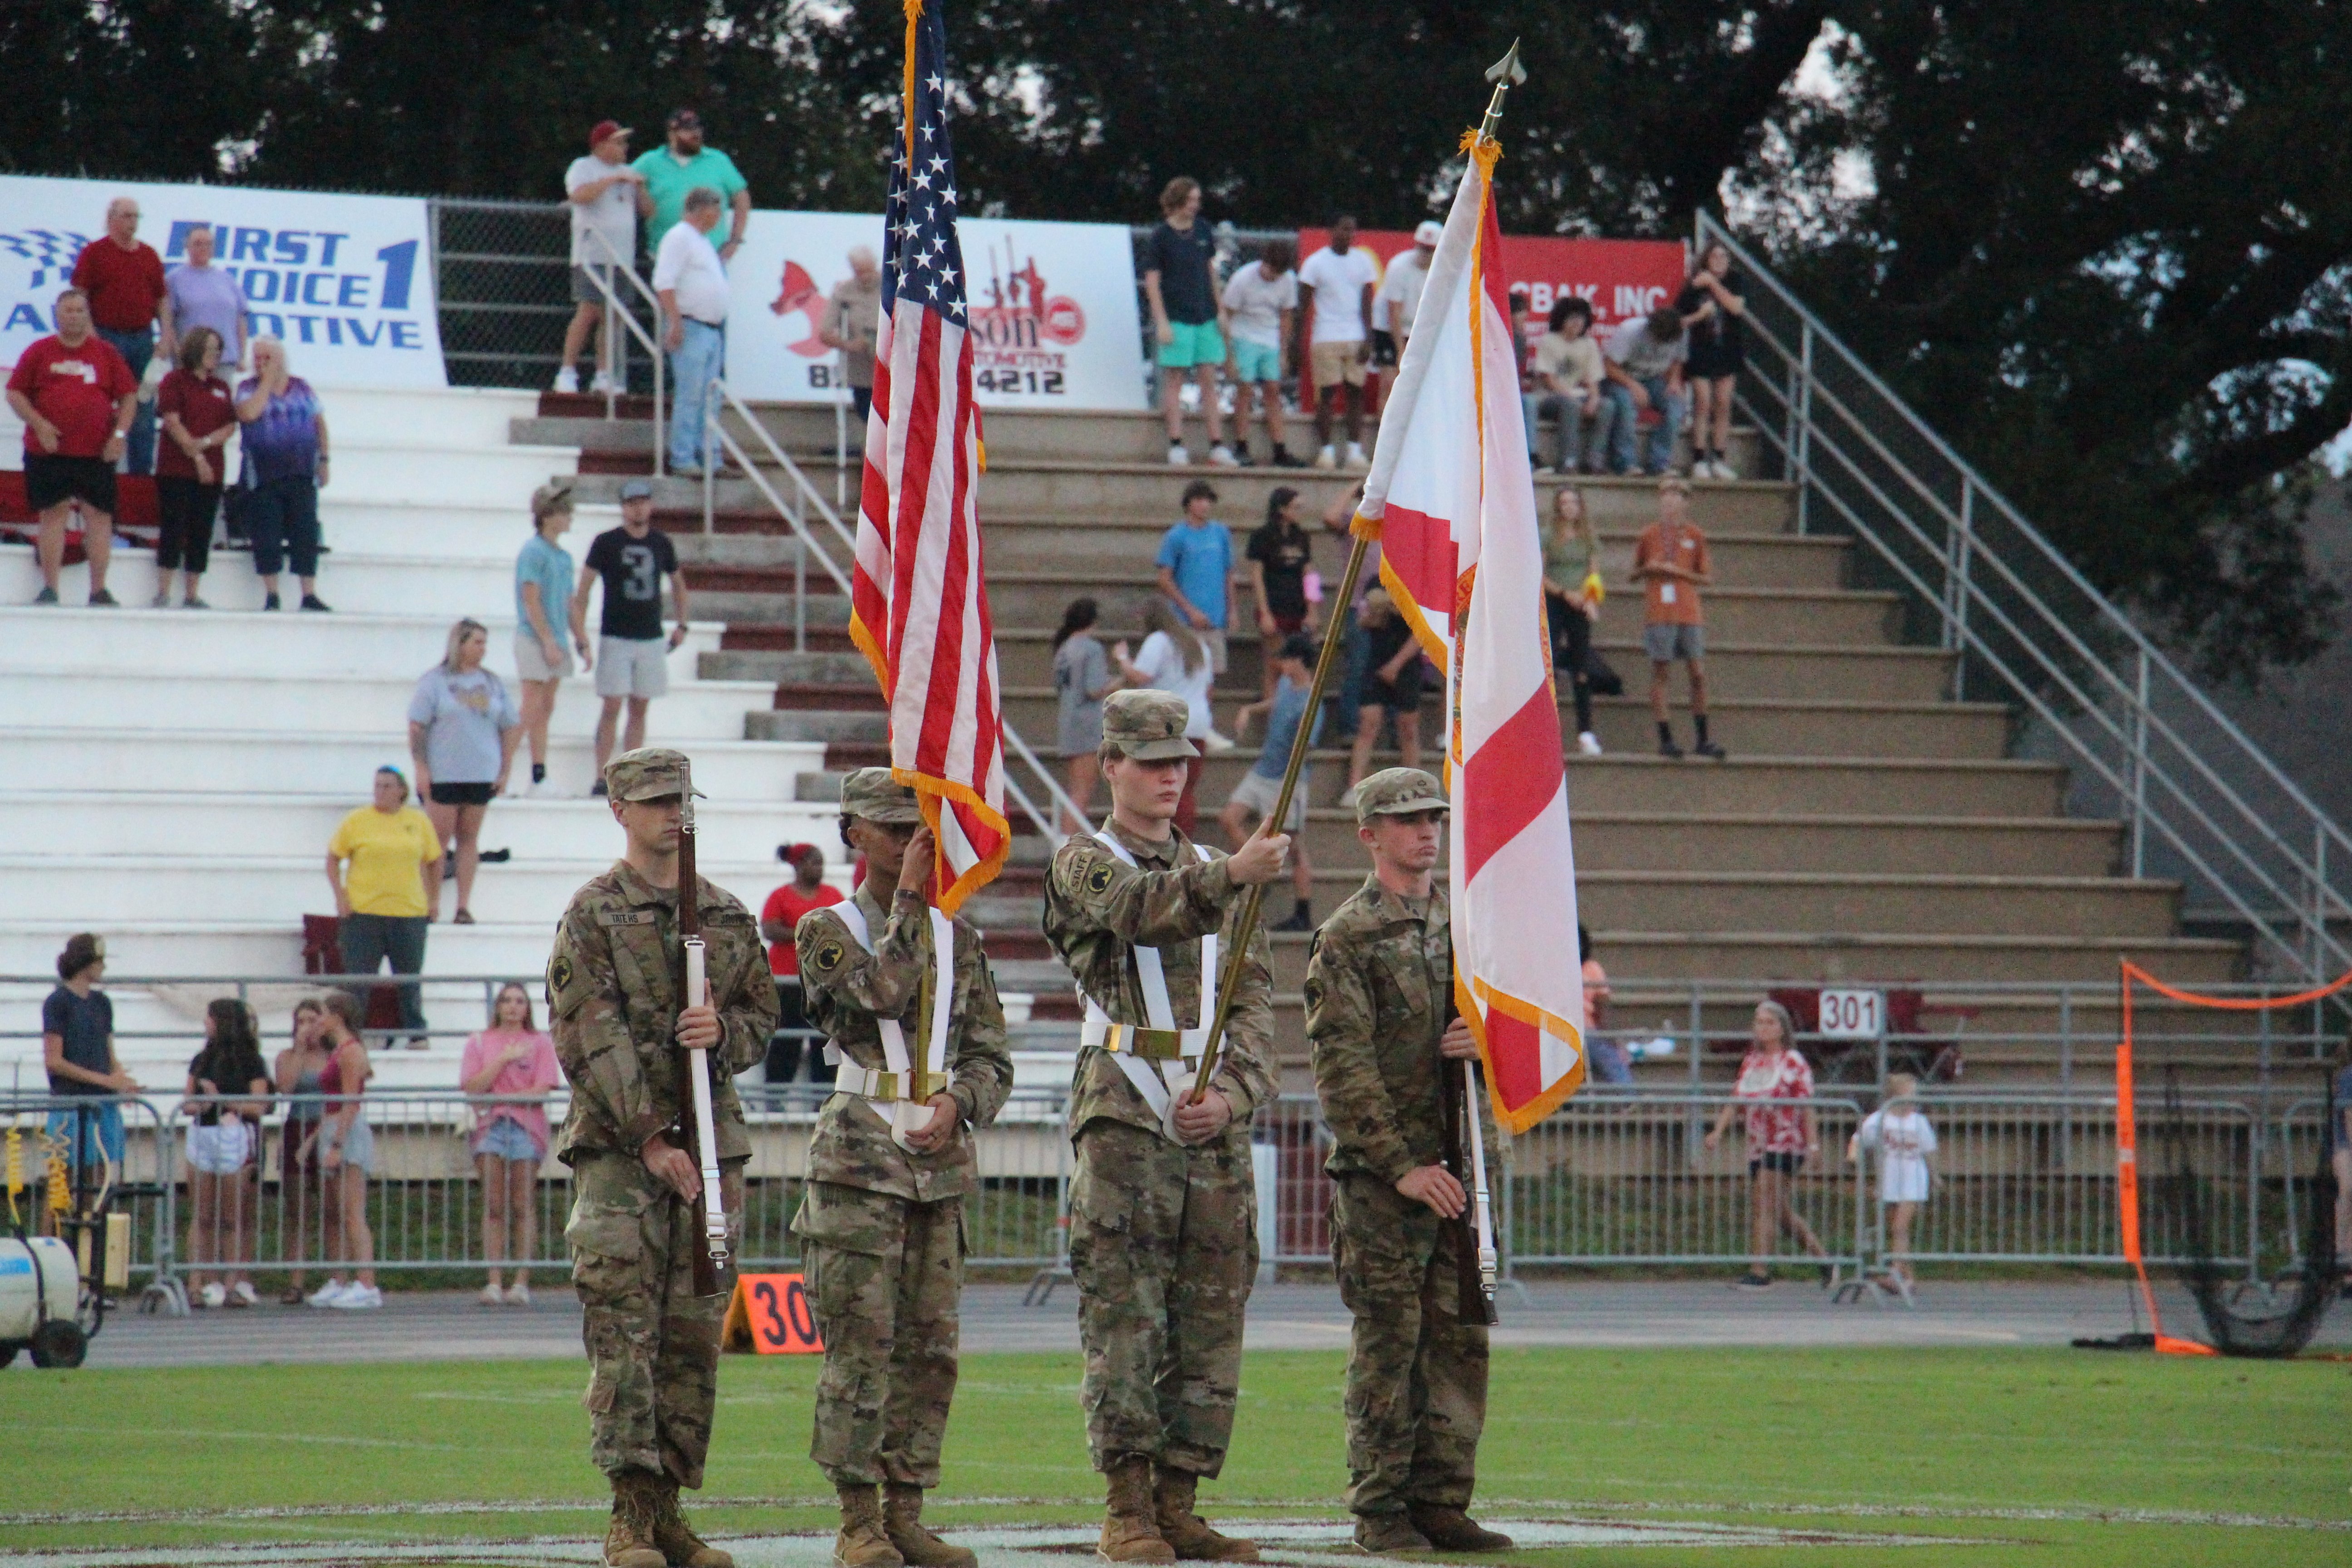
(652, 1344)
(1163, 1243)
(1416, 1393)
(886, 1277)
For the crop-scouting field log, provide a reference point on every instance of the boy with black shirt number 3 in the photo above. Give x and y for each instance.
(632, 659)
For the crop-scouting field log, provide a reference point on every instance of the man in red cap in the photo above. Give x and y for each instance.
(807, 891)
(607, 196)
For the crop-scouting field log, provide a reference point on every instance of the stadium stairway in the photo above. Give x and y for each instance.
(1866, 829)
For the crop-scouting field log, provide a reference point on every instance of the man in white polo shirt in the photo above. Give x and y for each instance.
(692, 285)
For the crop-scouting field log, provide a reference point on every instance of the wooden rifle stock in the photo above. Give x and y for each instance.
(1456, 1084)
(693, 989)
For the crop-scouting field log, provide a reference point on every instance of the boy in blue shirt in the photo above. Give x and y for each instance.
(1196, 570)
(1260, 787)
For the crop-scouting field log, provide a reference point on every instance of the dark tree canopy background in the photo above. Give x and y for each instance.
(2104, 244)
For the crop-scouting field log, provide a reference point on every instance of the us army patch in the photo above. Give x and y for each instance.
(1099, 879)
(627, 917)
(559, 976)
(828, 959)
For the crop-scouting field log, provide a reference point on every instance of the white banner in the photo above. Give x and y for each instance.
(1052, 310)
(347, 281)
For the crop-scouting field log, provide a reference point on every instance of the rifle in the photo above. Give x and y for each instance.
(1465, 1157)
(702, 1137)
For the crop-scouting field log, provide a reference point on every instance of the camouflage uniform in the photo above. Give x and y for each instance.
(881, 1227)
(612, 985)
(1378, 997)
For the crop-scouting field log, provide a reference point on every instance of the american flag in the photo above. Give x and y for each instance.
(918, 609)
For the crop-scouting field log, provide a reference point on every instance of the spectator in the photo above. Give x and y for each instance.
(462, 730)
(1187, 316)
(123, 278)
(77, 1050)
(76, 397)
(1196, 570)
(547, 620)
(1780, 1138)
(795, 1035)
(1712, 306)
(694, 301)
(199, 414)
(1261, 788)
(1082, 678)
(286, 464)
(1335, 284)
(1903, 1138)
(1261, 303)
(1571, 572)
(382, 907)
(607, 197)
(345, 1150)
(1402, 284)
(853, 317)
(1568, 378)
(1611, 1063)
(632, 661)
(1173, 658)
(1671, 564)
(228, 1094)
(198, 294)
(673, 170)
(1391, 688)
(510, 1057)
(296, 1076)
(1279, 556)
(2339, 1158)
(1644, 362)
(1356, 649)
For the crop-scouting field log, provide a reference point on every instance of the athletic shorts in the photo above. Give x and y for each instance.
(1257, 792)
(584, 283)
(220, 1150)
(1333, 364)
(1784, 1161)
(1670, 640)
(1402, 695)
(632, 666)
(52, 481)
(1257, 362)
(506, 1139)
(1213, 639)
(461, 794)
(1195, 342)
(531, 661)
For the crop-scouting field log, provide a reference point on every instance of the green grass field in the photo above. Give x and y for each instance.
(2041, 1459)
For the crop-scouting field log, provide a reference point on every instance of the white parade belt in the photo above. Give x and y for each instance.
(1159, 1058)
(899, 1093)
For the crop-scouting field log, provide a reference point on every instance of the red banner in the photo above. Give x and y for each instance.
(1622, 278)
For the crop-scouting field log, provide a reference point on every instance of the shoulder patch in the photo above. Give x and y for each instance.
(1099, 877)
(826, 959)
(558, 976)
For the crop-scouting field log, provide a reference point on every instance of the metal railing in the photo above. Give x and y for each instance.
(2025, 627)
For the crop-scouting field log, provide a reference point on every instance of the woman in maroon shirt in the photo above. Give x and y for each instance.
(199, 414)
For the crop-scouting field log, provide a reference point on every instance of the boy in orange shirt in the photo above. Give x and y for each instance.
(1671, 564)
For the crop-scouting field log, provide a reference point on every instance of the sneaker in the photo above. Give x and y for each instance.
(597, 790)
(330, 1294)
(162, 601)
(1178, 456)
(1299, 921)
(567, 380)
(1752, 1282)
(1724, 470)
(312, 602)
(492, 1295)
(1711, 750)
(1216, 744)
(518, 1294)
(241, 1294)
(1667, 748)
(193, 602)
(102, 600)
(1284, 460)
(1241, 458)
(1356, 459)
(495, 857)
(1348, 798)
(1589, 743)
(213, 1295)
(45, 596)
(359, 1298)
(685, 470)
(1221, 456)
(1328, 457)
(269, 601)
(602, 383)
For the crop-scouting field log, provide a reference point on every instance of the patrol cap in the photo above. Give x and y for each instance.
(1393, 792)
(1147, 725)
(874, 794)
(649, 773)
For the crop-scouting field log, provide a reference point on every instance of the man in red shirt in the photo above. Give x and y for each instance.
(76, 397)
(807, 891)
(124, 281)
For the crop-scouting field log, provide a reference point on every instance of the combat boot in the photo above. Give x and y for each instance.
(1382, 1533)
(1183, 1529)
(902, 1521)
(862, 1543)
(1129, 1533)
(629, 1540)
(678, 1543)
(1451, 1530)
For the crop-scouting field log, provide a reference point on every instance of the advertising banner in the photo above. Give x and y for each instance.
(1619, 278)
(347, 281)
(1052, 308)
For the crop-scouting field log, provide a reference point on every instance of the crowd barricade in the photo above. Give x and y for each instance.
(97, 1170)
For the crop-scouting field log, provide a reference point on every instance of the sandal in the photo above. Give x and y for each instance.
(463, 917)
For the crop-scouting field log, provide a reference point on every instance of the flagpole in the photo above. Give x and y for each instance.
(1506, 74)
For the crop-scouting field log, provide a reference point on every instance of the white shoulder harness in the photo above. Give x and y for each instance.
(1160, 1059)
(886, 1093)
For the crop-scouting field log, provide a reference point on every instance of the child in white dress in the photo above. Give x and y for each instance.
(1902, 1138)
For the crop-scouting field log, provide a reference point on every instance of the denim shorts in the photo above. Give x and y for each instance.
(92, 1132)
(506, 1139)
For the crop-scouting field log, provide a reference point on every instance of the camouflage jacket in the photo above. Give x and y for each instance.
(1097, 907)
(1378, 988)
(612, 986)
(848, 989)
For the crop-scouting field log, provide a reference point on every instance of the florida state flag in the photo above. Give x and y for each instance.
(1452, 501)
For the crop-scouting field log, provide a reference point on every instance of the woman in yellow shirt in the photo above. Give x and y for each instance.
(380, 900)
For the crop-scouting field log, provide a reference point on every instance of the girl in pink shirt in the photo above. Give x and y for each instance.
(510, 1057)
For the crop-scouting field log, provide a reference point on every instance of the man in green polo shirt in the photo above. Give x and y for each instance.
(678, 167)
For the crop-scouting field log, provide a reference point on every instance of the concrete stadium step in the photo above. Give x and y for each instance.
(1731, 842)
(478, 417)
(49, 695)
(351, 582)
(271, 822)
(391, 529)
(338, 763)
(1900, 957)
(142, 945)
(370, 467)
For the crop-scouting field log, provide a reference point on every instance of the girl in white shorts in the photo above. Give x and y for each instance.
(228, 1092)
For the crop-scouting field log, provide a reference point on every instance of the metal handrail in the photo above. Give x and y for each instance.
(2249, 855)
(613, 312)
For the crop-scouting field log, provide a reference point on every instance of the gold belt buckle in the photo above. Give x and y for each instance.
(919, 1089)
(884, 1084)
(1151, 1044)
